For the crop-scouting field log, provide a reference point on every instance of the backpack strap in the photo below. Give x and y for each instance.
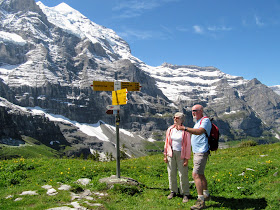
(202, 119)
(206, 135)
(201, 122)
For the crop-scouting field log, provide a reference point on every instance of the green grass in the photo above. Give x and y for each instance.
(31, 149)
(153, 148)
(238, 178)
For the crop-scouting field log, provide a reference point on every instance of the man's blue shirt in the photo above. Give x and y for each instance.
(200, 142)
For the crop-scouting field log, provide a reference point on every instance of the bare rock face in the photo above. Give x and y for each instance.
(16, 123)
(12, 54)
(19, 5)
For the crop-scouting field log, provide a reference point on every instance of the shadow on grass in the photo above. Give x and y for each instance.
(242, 203)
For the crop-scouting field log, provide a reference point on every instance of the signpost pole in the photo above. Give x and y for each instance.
(117, 86)
(118, 144)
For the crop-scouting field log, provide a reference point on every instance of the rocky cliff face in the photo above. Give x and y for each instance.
(46, 64)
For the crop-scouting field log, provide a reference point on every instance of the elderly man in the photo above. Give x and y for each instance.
(200, 150)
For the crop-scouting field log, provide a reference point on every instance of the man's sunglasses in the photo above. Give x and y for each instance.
(195, 110)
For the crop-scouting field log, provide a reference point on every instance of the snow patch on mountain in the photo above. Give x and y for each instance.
(276, 89)
(88, 129)
(5, 71)
(12, 38)
(180, 82)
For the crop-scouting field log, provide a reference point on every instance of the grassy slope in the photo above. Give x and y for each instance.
(31, 149)
(257, 188)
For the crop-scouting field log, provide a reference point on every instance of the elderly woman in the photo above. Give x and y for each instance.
(177, 152)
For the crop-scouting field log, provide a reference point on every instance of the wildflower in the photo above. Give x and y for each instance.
(61, 173)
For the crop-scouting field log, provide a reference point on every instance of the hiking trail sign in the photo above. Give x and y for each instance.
(117, 85)
(119, 97)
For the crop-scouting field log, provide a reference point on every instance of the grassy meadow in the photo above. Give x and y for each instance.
(238, 178)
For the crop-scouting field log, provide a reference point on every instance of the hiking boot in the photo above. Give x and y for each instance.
(200, 204)
(171, 195)
(207, 198)
(185, 199)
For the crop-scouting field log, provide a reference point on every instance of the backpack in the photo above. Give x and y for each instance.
(213, 139)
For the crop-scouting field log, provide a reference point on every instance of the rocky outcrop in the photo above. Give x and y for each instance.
(16, 123)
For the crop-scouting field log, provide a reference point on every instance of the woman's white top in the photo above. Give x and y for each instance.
(176, 137)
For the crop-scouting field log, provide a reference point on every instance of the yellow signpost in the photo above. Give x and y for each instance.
(130, 86)
(110, 86)
(103, 86)
(119, 97)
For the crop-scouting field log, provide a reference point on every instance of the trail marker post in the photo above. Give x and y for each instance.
(119, 97)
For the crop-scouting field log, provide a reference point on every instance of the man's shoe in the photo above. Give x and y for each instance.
(200, 204)
(207, 198)
(171, 195)
(185, 199)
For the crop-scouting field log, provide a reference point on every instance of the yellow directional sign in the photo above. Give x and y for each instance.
(110, 86)
(103, 86)
(130, 86)
(119, 97)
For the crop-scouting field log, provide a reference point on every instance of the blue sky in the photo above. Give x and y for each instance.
(239, 37)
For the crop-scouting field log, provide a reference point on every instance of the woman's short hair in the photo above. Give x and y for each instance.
(181, 115)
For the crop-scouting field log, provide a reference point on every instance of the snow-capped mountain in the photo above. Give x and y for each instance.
(72, 21)
(179, 83)
(276, 89)
(49, 57)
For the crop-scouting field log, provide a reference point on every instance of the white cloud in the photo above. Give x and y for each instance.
(136, 5)
(136, 34)
(198, 29)
(182, 28)
(217, 28)
(134, 8)
(210, 30)
(127, 33)
(258, 21)
(166, 29)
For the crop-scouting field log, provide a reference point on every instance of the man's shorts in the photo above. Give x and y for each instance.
(199, 162)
